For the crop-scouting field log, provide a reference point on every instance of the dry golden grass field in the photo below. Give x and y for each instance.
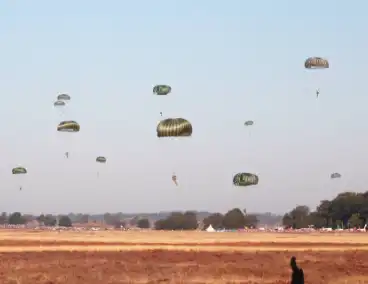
(107, 257)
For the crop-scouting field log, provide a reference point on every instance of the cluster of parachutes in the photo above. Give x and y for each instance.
(174, 127)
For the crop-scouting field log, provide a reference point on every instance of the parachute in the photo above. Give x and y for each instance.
(245, 179)
(59, 103)
(19, 171)
(335, 175)
(68, 126)
(249, 123)
(101, 159)
(161, 90)
(316, 63)
(174, 127)
(63, 97)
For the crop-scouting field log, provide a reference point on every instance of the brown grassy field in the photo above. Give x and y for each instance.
(30, 257)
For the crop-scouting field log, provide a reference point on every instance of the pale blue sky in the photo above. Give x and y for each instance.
(227, 62)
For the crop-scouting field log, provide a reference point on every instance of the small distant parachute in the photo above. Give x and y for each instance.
(335, 175)
(63, 97)
(68, 126)
(101, 159)
(249, 123)
(175, 179)
(316, 63)
(245, 179)
(174, 127)
(19, 171)
(59, 103)
(161, 90)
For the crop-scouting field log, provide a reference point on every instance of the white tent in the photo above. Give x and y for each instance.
(210, 229)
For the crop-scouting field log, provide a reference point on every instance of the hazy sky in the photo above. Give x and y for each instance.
(227, 62)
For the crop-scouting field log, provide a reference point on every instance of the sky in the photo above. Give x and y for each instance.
(226, 61)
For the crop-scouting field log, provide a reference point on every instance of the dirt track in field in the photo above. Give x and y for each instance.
(33, 243)
(160, 266)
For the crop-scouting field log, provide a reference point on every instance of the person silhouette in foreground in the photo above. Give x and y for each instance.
(297, 276)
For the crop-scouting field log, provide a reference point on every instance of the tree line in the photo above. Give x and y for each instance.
(346, 210)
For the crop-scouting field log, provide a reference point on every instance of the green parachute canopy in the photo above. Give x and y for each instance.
(63, 97)
(316, 63)
(245, 179)
(249, 123)
(335, 175)
(68, 126)
(59, 103)
(19, 171)
(101, 159)
(161, 90)
(174, 127)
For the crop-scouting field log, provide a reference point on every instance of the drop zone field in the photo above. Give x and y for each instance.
(30, 257)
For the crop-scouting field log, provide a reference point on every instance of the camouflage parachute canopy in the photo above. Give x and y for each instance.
(249, 123)
(19, 170)
(68, 126)
(161, 89)
(101, 159)
(245, 179)
(59, 103)
(335, 175)
(316, 63)
(174, 127)
(63, 97)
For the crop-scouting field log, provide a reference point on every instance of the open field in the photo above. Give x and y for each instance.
(30, 257)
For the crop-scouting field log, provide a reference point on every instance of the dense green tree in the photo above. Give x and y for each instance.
(143, 223)
(64, 221)
(16, 219)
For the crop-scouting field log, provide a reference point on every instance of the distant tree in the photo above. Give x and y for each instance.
(119, 224)
(3, 218)
(47, 220)
(143, 223)
(355, 221)
(64, 221)
(234, 219)
(16, 219)
(178, 221)
(215, 220)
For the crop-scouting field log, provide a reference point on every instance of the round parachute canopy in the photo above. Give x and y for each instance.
(245, 179)
(335, 175)
(68, 126)
(63, 97)
(161, 90)
(101, 159)
(59, 103)
(19, 171)
(249, 123)
(316, 63)
(174, 127)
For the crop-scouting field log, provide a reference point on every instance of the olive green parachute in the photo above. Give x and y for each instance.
(316, 63)
(63, 97)
(174, 127)
(161, 90)
(101, 159)
(68, 126)
(19, 171)
(245, 179)
(335, 175)
(59, 103)
(249, 123)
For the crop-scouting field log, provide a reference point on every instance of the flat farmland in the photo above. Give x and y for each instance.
(179, 257)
